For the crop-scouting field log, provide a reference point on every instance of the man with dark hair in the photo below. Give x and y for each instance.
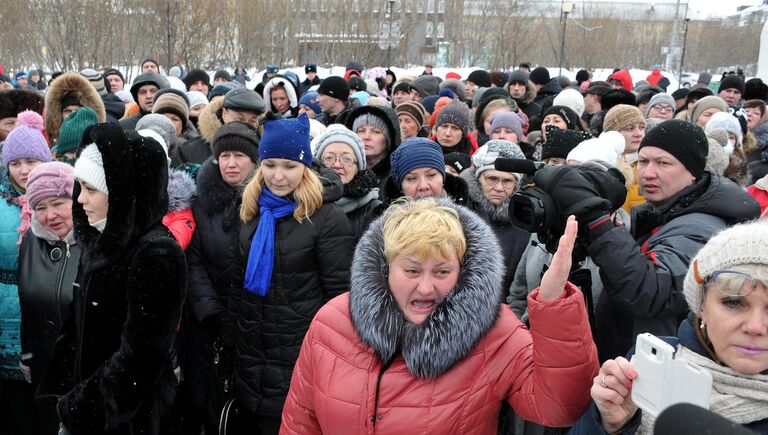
(150, 65)
(143, 91)
(198, 80)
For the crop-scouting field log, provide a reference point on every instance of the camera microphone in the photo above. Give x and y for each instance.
(684, 419)
(520, 166)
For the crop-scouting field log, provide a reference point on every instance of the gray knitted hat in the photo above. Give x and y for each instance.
(338, 133)
(456, 113)
(485, 156)
(375, 121)
(738, 245)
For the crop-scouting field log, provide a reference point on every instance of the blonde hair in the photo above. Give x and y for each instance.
(499, 103)
(424, 229)
(308, 196)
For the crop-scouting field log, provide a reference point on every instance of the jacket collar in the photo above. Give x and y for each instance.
(457, 324)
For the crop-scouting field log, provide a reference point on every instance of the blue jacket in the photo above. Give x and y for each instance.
(590, 422)
(10, 313)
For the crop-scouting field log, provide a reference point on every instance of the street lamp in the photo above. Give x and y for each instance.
(682, 54)
(565, 8)
(390, 11)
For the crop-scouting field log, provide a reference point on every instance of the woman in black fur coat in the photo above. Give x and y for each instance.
(111, 370)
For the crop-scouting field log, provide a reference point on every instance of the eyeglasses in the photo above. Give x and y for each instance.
(663, 108)
(330, 159)
(507, 183)
(732, 283)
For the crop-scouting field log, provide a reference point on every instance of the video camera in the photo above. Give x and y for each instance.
(591, 189)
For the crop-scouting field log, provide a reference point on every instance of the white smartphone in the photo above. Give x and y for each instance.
(663, 380)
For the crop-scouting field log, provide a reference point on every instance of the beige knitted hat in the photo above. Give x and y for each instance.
(622, 116)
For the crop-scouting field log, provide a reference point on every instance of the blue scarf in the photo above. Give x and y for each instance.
(261, 257)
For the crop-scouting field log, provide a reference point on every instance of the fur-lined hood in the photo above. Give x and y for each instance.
(528, 97)
(497, 214)
(458, 323)
(181, 190)
(136, 170)
(79, 87)
(208, 121)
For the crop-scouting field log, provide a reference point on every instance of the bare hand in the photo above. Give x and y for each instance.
(611, 390)
(554, 279)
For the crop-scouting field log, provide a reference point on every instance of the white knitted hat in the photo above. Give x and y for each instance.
(572, 99)
(484, 158)
(338, 133)
(742, 244)
(89, 167)
(606, 148)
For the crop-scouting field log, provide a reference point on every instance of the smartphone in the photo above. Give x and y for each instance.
(663, 380)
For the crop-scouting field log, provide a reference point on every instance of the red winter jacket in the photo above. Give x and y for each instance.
(544, 378)
(654, 77)
(624, 77)
(182, 225)
(760, 195)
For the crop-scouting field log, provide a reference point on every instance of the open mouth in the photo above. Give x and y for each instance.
(423, 305)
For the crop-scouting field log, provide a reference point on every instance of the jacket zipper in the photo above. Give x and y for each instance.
(57, 295)
(375, 415)
(81, 332)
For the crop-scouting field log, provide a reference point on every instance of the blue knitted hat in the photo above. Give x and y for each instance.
(414, 153)
(310, 99)
(287, 139)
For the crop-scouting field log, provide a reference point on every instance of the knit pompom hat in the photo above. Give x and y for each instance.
(622, 116)
(26, 141)
(739, 245)
(415, 153)
(338, 133)
(89, 167)
(50, 180)
(72, 129)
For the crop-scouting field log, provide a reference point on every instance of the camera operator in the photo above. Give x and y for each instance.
(642, 271)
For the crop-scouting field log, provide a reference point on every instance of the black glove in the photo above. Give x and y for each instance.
(572, 192)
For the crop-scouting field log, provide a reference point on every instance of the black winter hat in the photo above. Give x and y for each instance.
(582, 76)
(426, 85)
(114, 72)
(617, 96)
(755, 89)
(236, 136)
(680, 93)
(222, 74)
(569, 116)
(147, 79)
(355, 65)
(197, 75)
(459, 161)
(518, 76)
(357, 83)
(686, 141)
(310, 67)
(402, 87)
(560, 142)
(480, 77)
(731, 82)
(336, 87)
(540, 76)
(16, 101)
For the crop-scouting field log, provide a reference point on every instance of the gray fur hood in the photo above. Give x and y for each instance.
(497, 214)
(181, 190)
(458, 323)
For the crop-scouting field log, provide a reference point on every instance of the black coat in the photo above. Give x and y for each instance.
(111, 370)
(360, 202)
(311, 266)
(215, 275)
(513, 240)
(47, 270)
(307, 83)
(455, 187)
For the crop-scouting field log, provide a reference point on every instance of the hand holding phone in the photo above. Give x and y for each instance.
(663, 380)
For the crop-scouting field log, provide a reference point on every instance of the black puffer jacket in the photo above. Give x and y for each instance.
(513, 240)
(311, 266)
(111, 370)
(47, 270)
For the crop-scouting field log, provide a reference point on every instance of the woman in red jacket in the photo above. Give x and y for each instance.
(420, 344)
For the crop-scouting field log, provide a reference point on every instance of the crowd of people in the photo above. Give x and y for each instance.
(353, 254)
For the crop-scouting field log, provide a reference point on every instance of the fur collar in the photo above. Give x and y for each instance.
(361, 185)
(181, 190)
(208, 121)
(454, 187)
(496, 214)
(458, 323)
(79, 87)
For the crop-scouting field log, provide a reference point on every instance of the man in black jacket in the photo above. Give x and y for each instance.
(312, 79)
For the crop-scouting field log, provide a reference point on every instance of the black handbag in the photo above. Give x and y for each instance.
(220, 382)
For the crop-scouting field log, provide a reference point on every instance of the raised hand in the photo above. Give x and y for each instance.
(554, 279)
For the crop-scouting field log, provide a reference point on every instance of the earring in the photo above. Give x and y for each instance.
(702, 325)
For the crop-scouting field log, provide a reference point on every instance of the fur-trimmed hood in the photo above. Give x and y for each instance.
(454, 187)
(497, 214)
(290, 90)
(78, 86)
(208, 121)
(181, 190)
(136, 170)
(458, 323)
